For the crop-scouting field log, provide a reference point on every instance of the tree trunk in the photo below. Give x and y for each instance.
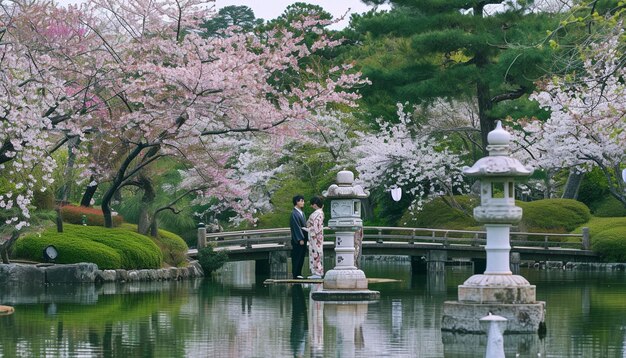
(154, 227)
(483, 98)
(116, 184)
(59, 218)
(69, 169)
(573, 184)
(106, 212)
(89, 193)
(147, 201)
(5, 247)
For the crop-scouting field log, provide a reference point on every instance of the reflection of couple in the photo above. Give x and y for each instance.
(312, 231)
(300, 322)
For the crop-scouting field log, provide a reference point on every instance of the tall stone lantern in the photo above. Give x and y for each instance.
(345, 281)
(497, 290)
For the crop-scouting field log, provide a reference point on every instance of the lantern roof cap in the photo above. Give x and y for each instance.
(345, 187)
(498, 163)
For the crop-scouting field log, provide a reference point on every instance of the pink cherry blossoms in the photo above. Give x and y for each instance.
(587, 126)
(138, 81)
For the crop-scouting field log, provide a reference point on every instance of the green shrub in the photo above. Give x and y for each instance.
(597, 225)
(611, 244)
(211, 260)
(43, 200)
(74, 215)
(438, 214)
(137, 251)
(609, 207)
(84, 244)
(172, 246)
(553, 215)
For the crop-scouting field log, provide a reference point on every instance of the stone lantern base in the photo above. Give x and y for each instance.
(345, 285)
(509, 296)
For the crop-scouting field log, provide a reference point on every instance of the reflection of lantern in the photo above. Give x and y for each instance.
(396, 194)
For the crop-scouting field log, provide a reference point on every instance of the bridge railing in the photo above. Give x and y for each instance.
(382, 234)
(448, 237)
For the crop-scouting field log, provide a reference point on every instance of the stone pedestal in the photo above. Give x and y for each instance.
(465, 317)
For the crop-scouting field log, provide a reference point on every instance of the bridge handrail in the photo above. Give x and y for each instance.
(282, 236)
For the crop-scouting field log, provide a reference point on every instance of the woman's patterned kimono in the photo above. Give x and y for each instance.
(315, 224)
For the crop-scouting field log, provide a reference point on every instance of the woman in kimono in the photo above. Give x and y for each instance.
(315, 227)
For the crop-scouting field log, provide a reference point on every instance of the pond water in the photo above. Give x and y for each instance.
(235, 315)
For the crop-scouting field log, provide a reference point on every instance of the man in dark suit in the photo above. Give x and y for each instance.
(298, 236)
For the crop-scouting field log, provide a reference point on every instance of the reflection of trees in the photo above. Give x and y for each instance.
(115, 325)
(186, 319)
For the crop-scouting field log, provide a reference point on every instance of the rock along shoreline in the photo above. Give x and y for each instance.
(84, 272)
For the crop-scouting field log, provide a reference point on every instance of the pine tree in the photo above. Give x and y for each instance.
(453, 49)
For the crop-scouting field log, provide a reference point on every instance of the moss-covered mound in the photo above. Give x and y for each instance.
(173, 247)
(611, 244)
(553, 215)
(108, 248)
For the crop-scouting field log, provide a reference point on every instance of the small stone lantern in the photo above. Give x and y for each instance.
(497, 290)
(345, 281)
(497, 210)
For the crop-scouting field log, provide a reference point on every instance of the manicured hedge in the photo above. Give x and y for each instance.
(597, 225)
(548, 215)
(108, 248)
(553, 215)
(71, 250)
(74, 215)
(611, 244)
(173, 247)
(610, 207)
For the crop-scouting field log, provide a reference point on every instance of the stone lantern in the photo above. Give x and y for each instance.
(497, 291)
(345, 281)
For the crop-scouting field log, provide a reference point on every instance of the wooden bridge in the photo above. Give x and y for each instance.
(421, 244)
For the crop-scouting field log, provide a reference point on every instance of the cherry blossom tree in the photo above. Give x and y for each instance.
(407, 155)
(170, 89)
(587, 125)
(41, 104)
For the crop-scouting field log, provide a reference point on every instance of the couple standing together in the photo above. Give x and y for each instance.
(303, 231)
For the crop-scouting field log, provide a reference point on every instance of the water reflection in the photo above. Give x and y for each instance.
(235, 315)
(299, 323)
(348, 320)
(316, 324)
(515, 345)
